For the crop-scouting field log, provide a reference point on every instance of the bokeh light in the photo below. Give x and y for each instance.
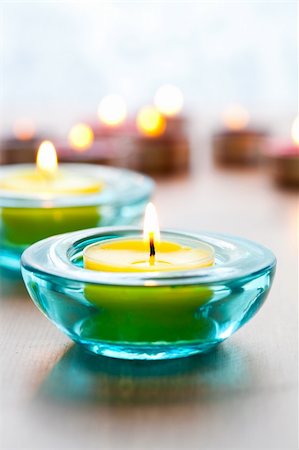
(24, 129)
(235, 117)
(169, 100)
(81, 137)
(112, 110)
(150, 121)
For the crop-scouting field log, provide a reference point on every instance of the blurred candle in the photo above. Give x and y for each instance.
(283, 158)
(159, 149)
(24, 129)
(150, 122)
(238, 143)
(236, 118)
(169, 101)
(21, 146)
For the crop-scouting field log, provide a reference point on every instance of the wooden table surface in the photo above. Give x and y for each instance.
(243, 395)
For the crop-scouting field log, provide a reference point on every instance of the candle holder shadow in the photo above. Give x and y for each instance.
(26, 218)
(148, 315)
(82, 377)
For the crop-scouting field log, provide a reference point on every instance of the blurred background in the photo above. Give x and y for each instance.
(60, 60)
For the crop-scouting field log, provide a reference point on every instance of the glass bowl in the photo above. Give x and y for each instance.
(26, 218)
(148, 315)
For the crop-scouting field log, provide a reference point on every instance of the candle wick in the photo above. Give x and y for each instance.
(152, 245)
(152, 248)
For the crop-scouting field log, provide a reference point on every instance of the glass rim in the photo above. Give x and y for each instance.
(135, 186)
(237, 258)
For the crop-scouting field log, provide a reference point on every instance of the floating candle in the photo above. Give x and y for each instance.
(148, 254)
(47, 179)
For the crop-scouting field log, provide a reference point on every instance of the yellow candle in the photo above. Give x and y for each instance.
(147, 254)
(47, 178)
(23, 226)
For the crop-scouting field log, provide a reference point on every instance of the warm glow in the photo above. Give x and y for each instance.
(46, 159)
(169, 100)
(236, 117)
(112, 110)
(150, 122)
(295, 131)
(24, 129)
(81, 137)
(151, 224)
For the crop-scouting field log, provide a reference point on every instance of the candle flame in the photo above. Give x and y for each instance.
(112, 110)
(236, 118)
(169, 100)
(295, 131)
(150, 122)
(151, 230)
(46, 159)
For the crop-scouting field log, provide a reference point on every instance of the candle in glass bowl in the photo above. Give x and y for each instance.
(121, 307)
(283, 159)
(38, 202)
(139, 313)
(45, 181)
(237, 143)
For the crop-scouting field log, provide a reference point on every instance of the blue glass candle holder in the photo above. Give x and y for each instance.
(148, 315)
(26, 218)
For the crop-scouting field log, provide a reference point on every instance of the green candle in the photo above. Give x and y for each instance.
(147, 314)
(24, 226)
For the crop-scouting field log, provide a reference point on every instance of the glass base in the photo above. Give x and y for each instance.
(147, 352)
